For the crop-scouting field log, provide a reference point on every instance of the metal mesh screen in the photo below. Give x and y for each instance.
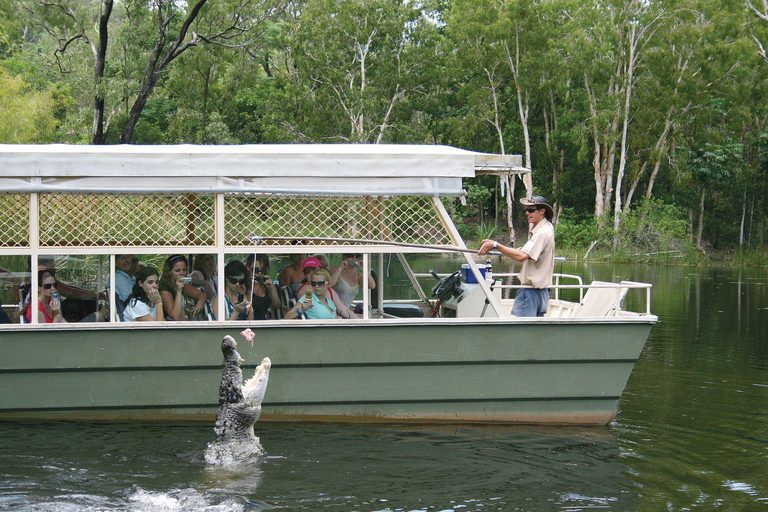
(169, 220)
(407, 219)
(14, 220)
(164, 220)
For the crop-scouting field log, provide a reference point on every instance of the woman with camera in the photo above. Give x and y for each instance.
(264, 294)
(316, 304)
(235, 305)
(174, 285)
(347, 278)
(48, 304)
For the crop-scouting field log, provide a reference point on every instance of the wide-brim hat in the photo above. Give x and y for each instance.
(310, 262)
(536, 200)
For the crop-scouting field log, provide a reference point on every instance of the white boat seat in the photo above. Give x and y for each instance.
(601, 301)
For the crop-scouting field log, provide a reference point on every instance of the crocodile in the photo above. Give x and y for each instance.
(239, 408)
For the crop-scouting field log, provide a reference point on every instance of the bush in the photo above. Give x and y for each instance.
(656, 229)
(485, 230)
(573, 232)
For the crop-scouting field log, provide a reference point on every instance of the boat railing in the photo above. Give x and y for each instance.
(599, 295)
(600, 298)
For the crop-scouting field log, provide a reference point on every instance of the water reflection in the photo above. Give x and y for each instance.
(312, 467)
(692, 426)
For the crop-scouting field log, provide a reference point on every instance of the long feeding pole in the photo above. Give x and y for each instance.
(256, 239)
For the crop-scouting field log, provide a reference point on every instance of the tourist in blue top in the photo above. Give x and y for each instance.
(123, 280)
(236, 307)
(318, 305)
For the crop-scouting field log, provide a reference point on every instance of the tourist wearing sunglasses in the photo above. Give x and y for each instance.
(537, 257)
(48, 305)
(264, 294)
(236, 305)
(309, 266)
(318, 304)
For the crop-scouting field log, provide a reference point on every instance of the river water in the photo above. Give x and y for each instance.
(692, 433)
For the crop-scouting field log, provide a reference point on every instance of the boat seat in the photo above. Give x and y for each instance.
(601, 301)
(287, 298)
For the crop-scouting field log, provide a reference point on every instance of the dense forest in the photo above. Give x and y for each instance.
(644, 122)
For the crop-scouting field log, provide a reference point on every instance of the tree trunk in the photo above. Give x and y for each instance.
(701, 217)
(743, 218)
(99, 135)
(156, 65)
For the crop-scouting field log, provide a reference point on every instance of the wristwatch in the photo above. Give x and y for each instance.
(495, 243)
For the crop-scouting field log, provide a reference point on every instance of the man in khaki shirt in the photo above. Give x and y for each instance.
(537, 257)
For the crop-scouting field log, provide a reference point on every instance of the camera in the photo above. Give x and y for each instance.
(186, 280)
(55, 295)
(240, 297)
(260, 279)
(354, 263)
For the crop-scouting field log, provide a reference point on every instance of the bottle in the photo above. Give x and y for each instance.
(488, 270)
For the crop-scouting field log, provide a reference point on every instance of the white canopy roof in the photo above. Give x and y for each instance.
(332, 169)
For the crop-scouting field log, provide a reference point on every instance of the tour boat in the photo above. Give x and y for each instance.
(446, 351)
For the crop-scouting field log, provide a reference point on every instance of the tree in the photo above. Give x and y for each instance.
(29, 116)
(356, 62)
(172, 29)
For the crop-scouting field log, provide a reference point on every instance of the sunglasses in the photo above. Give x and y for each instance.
(48, 286)
(531, 210)
(259, 270)
(237, 281)
(318, 283)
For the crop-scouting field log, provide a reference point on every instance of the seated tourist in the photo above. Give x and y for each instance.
(174, 289)
(236, 307)
(292, 275)
(204, 275)
(124, 281)
(323, 259)
(123, 278)
(145, 303)
(311, 264)
(264, 293)
(81, 305)
(317, 304)
(347, 278)
(48, 305)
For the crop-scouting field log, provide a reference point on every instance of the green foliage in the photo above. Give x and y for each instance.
(28, 116)
(715, 162)
(653, 231)
(434, 72)
(486, 230)
(573, 231)
(477, 199)
(655, 228)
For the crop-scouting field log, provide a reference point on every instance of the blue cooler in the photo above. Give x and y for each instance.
(468, 276)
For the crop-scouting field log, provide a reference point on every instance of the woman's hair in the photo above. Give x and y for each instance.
(42, 274)
(198, 263)
(166, 282)
(263, 259)
(138, 292)
(322, 272)
(234, 268)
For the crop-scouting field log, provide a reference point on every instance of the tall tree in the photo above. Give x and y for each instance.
(175, 28)
(355, 60)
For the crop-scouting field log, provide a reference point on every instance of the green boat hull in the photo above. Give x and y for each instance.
(567, 371)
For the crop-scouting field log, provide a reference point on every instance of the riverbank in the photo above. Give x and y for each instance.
(601, 253)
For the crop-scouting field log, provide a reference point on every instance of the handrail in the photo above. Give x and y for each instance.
(632, 285)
